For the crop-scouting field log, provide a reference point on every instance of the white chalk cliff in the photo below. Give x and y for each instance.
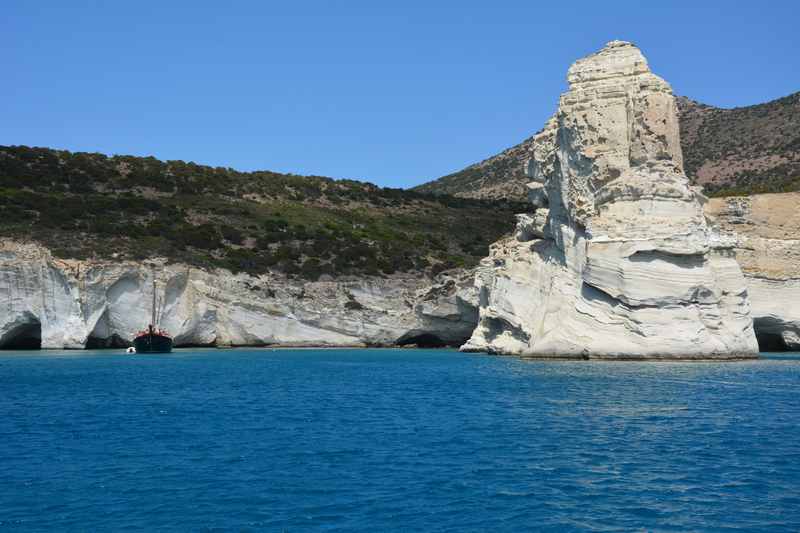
(73, 304)
(617, 259)
(766, 232)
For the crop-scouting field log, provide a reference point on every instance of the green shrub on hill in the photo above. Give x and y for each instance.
(91, 205)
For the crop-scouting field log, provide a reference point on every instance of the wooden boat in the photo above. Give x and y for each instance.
(153, 339)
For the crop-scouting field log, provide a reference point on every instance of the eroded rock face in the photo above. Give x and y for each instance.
(766, 237)
(622, 263)
(72, 304)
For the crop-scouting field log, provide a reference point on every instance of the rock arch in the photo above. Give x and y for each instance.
(25, 333)
(102, 336)
(775, 335)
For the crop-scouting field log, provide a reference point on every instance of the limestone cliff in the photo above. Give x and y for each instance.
(766, 229)
(73, 304)
(617, 259)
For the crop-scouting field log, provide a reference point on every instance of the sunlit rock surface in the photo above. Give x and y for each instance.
(74, 304)
(766, 233)
(617, 259)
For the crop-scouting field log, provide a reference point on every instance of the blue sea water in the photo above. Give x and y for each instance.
(395, 440)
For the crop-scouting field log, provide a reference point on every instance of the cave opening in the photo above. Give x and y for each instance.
(102, 337)
(423, 340)
(770, 342)
(100, 343)
(769, 334)
(23, 337)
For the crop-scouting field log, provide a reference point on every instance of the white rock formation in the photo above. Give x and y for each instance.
(69, 304)
(617, 261)
(766, 230)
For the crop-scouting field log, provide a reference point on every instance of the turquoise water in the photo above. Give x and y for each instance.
(372, 440)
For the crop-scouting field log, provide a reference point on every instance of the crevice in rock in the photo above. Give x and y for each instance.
(590, 293)
(681, 260)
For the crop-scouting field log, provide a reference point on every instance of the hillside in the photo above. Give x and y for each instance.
(744, 150)
(500, 176)
(123, 207)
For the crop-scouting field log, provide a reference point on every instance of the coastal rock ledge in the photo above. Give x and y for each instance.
(617, 259)
(46, 302)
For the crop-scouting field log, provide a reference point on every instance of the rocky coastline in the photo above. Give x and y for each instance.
(56, 303)
(618, 258)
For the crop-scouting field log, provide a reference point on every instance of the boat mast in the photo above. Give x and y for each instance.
(153, 321)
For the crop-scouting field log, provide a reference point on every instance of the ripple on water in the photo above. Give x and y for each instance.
(364, 440)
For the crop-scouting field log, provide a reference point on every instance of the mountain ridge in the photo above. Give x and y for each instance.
(729, 151)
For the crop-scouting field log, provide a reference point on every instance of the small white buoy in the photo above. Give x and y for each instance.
(130, 349)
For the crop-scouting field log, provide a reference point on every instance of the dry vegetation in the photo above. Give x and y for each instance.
(87, 204)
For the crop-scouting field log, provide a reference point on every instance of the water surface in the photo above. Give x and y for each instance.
(371, 440)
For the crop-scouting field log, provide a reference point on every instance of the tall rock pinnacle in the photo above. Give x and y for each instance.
(617, 259)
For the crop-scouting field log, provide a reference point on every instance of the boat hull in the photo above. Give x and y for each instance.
(152, 344)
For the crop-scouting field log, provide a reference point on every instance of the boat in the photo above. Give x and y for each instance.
(153, 339)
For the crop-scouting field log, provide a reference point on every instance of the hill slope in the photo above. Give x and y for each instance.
(122, 207)
(744, 150)
(500, 176)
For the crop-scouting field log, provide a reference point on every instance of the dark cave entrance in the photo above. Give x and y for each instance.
(423, 340)
(768, 335)
(23, 337)
(99, 343)
(101, 336)
(770, 342)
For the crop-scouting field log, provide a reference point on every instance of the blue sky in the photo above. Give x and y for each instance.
(396, 93)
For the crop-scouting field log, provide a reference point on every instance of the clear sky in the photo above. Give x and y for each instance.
(396, 93)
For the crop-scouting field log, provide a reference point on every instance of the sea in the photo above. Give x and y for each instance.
(376, 440)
